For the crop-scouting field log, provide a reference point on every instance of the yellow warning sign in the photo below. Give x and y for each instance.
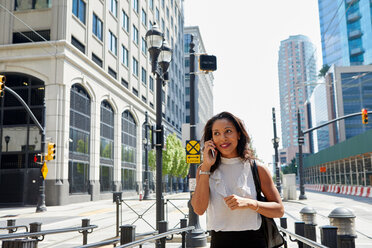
(44, 170)
(192, 147)
(193, 159)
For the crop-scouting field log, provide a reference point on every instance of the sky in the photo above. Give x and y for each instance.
(245, 37)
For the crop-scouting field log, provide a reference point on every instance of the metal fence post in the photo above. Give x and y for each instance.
(183, 225)
(299, 229)
(328, 236)
(127, 234)
(11, 222)
(85, 223)
(163, 227)
(283, 223)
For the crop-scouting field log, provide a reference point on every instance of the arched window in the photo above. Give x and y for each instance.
(128, 151)
(78, 173)
(107, 147)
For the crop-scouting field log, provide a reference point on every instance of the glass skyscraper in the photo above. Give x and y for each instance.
(346, 31)
(297, 75)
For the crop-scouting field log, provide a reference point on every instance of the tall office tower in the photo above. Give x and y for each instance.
(297, 75)
(203, 81)
(317, 115)
(346, 31)
(87, 61)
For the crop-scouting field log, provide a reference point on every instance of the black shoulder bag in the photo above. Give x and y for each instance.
(271, 232)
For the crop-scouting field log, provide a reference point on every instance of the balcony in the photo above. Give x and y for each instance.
(356, 51)
(352, 17)
(355, 34)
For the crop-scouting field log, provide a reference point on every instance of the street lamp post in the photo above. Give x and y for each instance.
(146, 195)
(275, 141)
(196, 237)
(301, 141)
(161, 56)
(7, 139)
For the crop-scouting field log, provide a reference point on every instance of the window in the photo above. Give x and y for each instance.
(79, 150)
(144, 18)
(125, 21)
(135, 35)
(97, 26)
(135, 91)
(144, 45)
(128, 151)
(112, 72)
(124, 55)
(135, 67)
(113, 43)
(106, 146)
(167, 34)
(125, 83)
(167, 13)
(162, 25)
(144, 99)
(144, 76)
(31, 36)
(135, 5)
(77, 44)
(162, 3)
(97, 60)
(151, 83)
(157, 14)
(114, 7)
(32, 4)
(151, 3)
(78, 9)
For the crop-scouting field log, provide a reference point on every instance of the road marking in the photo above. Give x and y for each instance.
(98, 211)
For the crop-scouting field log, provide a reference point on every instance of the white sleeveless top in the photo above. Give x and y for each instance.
(233, 176)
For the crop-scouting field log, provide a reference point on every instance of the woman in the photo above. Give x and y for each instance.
(225, 186)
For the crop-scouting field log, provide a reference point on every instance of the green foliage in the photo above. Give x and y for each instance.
(152, 160)
(323, 71)
(290, 168)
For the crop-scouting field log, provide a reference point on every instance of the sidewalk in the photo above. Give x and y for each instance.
(103, 214)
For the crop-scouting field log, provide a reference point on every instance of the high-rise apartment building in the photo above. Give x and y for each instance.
(84, 69)
(346, 31)
(297, 75)
(203, 81)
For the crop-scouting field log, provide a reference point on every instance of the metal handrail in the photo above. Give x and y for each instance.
(14, 227)
(156, 237)
(43, 233)
(301, 238)
(113, 241)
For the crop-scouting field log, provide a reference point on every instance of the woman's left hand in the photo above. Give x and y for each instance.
(236, 202)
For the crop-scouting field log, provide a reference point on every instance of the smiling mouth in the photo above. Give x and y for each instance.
(224, 145)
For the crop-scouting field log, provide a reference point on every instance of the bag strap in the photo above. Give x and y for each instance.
(256, 178)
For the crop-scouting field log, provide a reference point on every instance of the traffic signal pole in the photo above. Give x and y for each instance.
(41, 201)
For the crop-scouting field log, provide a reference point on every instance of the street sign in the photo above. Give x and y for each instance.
(207, 62)
(192, 147)
(323, 169)
(193, 159)
(44, 170)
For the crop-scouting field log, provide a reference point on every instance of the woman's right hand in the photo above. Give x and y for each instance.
(208, 158)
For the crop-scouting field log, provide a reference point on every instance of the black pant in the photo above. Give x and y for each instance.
(237, 239)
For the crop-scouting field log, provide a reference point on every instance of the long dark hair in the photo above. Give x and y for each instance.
(244, 150)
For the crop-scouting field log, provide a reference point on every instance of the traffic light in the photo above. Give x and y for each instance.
(38, 159)
(364, 116)
(2, 85)
(207, 62)
(51, 151)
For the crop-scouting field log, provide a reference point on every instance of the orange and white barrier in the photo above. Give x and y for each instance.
(342, 189)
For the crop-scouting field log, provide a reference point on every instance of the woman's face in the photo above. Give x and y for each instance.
(225, 137)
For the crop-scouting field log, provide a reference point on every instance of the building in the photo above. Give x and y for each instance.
(346, 31)
(350, 92)
(83, 67)
(203, 81)
(297, 75)
(318, 114)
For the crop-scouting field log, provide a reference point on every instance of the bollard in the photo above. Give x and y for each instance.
(35, 227)
(163, 227)
(283, 223)
(183, 225)
(85, 223)
(308, 216)
(299, 229)
(328, 236)
(11, 222)
(117, 198)
(344, 220)
(127, 234)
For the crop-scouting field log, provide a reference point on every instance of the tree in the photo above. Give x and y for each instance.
(290, 168)
(323, 71)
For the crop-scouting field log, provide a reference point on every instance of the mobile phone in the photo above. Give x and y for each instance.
(213, 155)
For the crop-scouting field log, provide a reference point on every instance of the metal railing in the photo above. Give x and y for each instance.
(299, 239)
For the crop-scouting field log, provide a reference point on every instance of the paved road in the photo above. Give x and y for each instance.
(103, 214)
